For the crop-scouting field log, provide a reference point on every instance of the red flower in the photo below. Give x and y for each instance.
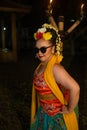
(39, 35)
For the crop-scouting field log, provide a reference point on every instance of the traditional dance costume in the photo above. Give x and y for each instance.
(45, 113)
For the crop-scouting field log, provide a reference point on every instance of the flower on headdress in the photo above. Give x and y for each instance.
(42, 30)
(47, 36)
(41, 33)
(35, 36)
(38, 35)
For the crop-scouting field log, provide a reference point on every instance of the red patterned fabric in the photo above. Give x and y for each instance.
(40, 85)
(51, 107)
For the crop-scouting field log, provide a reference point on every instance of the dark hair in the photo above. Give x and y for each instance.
(54, 35)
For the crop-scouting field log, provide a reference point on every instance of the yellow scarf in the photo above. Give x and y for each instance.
(70, 119)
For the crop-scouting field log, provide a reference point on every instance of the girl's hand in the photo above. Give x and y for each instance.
(65, 110)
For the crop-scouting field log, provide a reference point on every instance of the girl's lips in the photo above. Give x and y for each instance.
(40, 56)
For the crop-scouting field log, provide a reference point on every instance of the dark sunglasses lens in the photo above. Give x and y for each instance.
(43, 49)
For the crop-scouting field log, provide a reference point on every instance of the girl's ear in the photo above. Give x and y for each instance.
(53, 49)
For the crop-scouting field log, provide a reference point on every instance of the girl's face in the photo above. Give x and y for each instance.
(44, 50)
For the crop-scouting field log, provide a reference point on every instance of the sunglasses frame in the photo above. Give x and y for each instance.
(43, 49)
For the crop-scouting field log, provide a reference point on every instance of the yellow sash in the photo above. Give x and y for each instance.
(70, 119)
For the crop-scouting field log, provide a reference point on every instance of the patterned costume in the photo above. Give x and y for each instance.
(46, 112)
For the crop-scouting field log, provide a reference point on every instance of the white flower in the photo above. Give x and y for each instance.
(42, 30)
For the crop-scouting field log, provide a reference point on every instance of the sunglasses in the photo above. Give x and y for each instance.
(42, 49)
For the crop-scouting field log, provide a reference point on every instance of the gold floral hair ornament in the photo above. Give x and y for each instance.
(47, 35)
(41, 33)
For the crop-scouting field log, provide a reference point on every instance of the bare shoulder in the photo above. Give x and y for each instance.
(58, 72)
(58, 67)
(63, 77)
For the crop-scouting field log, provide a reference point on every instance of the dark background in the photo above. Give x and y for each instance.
(16, 78)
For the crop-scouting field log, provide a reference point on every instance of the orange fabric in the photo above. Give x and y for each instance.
(51, 107)
(40, 85)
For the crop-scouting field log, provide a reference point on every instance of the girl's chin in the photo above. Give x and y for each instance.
(41, 59)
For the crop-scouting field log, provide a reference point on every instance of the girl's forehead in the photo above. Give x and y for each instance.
(42, 41)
